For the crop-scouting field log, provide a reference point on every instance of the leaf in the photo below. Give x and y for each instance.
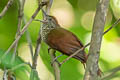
(19, 72)
(115, 5)
(73, 3)
(81, 4)
(34, 75)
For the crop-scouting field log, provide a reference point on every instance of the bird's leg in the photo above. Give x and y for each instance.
(55, 59)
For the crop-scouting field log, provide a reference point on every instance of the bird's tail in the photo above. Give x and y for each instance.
(82, 57)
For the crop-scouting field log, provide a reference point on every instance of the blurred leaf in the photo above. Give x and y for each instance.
(115, 5)
(73, 3)
(34, 75)
(72, 70)
(81, 4)
(8, 24)
(20, 72)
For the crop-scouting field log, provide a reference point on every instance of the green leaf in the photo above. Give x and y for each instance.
(34, 75)
(115, 5)
(18, 66)
(73, 3)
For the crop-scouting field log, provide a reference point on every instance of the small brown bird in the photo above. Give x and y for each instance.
(61, 39)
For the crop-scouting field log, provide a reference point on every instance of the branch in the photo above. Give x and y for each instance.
(29, 43)
(20, 15)
(35, 57)
(28, 39)
(17, 66)
(97, 33)
(24, 28)
(110, 73)
(38, 2)
(55, 65)
(113, 25)
(6, 8)
(37, 50)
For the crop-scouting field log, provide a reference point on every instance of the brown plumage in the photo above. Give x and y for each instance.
(66, 42)
(61, 39)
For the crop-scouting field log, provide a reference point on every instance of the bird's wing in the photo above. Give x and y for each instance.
(63, 41)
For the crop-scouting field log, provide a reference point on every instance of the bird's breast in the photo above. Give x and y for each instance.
(45, 30)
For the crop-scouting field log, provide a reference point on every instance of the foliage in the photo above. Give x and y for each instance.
(19, 72)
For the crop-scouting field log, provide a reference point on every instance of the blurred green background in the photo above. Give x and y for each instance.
(74, 15)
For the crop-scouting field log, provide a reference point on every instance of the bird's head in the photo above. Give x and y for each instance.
(50, 20)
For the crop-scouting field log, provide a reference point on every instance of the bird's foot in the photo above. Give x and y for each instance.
(55, 59)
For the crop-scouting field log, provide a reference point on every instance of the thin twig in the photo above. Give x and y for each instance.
(55, 65)
(113, 25)
(6, 8)
(48, 6)
(37, 50)
(17, 66)
(35, 57)
(14, 53)
(110, 73)
(24, 28)
(20, 16)
(29, 43)
(28, 39)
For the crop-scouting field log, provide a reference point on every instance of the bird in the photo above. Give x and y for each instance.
(61, 39)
